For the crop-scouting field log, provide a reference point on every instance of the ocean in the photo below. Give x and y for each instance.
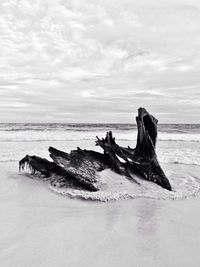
(178, 150)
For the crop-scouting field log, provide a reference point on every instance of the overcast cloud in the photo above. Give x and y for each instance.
(98, 61)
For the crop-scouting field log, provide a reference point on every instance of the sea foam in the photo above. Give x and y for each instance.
(118, 187)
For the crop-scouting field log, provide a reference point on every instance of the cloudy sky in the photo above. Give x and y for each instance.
(98, 61)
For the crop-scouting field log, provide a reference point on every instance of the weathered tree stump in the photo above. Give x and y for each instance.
(83, 166)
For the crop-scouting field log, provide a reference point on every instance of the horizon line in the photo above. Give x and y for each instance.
(93, 123)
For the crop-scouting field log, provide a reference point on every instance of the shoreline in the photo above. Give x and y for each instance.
(40, 228)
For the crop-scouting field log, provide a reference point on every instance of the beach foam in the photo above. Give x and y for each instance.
(185, 184)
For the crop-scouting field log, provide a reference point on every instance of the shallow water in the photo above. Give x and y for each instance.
(176, 143)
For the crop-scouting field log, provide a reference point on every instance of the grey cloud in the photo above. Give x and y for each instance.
(102, 58)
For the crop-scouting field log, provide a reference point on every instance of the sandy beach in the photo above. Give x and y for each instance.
(39, 228)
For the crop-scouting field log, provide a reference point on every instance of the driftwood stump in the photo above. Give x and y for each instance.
(83, 166)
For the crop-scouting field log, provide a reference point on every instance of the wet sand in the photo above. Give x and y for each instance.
(40, 228)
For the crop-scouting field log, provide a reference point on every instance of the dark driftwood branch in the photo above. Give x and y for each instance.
(83, 166)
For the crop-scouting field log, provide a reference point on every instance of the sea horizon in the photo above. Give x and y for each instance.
(94, 123)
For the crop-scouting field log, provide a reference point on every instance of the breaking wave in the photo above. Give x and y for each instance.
(65, 132)
(39, 136)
